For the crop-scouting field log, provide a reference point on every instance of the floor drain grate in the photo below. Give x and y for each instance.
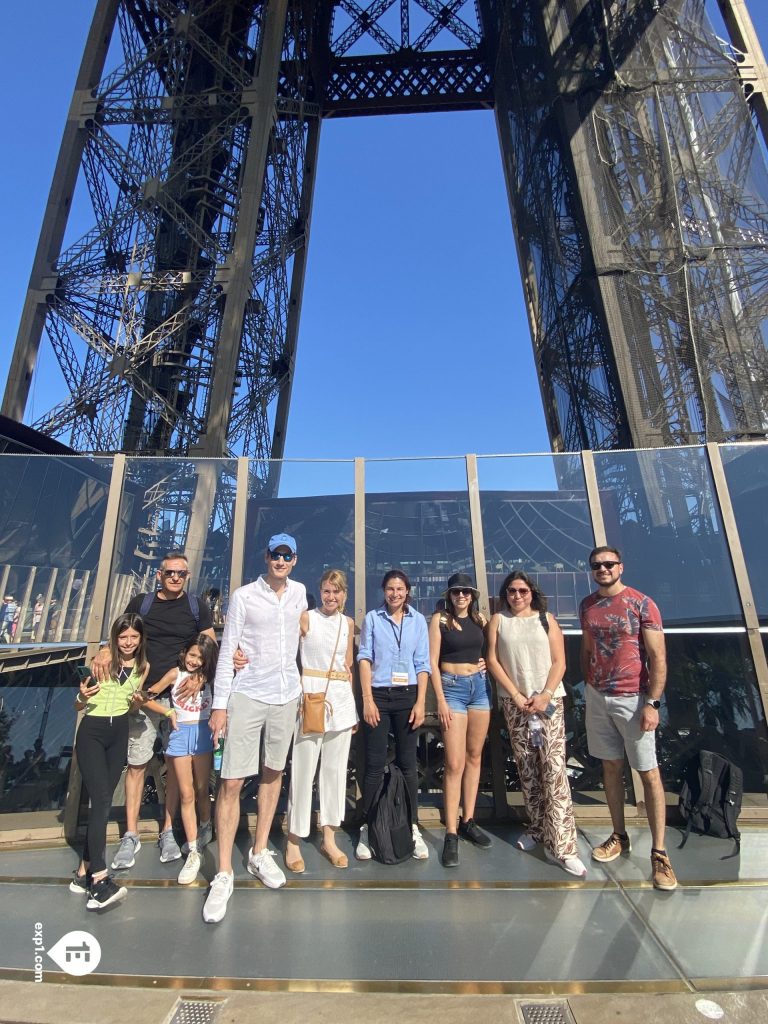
(546, 1013)
(196, 1011)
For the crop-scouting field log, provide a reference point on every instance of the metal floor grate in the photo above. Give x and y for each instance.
(546, 1013)
(196, 1011)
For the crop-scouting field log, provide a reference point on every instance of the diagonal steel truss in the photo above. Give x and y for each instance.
(638, 192)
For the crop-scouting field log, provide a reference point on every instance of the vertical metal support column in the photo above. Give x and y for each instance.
(739, 563)
(207, 471)
(359, 542)
(753, 72)
(500, 806)
(42, 280)
(95, 627)
(239, 520)
(260, 102)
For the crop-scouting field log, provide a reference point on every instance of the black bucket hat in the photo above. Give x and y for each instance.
(460, 581)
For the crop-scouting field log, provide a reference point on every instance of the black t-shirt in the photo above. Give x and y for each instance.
(168, 625)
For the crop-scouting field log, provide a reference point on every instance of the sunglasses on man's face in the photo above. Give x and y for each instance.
(460, 592)
(594, 566)
(287, 556)
(179, 573)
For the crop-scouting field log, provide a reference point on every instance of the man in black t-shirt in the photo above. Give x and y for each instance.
(170, 622)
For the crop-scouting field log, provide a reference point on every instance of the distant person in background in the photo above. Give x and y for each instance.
(526, 656)
(624, 662)
(456, 645)
(326, 666)
(37, 614)
(10, 612)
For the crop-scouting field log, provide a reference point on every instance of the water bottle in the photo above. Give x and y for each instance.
(535, 731)
(218, 754)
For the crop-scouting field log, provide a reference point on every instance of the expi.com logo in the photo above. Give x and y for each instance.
(76, 953)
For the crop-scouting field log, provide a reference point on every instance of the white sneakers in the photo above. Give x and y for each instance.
(218, 896)
(363, 850)
(188, 873)
(574, 866)
(420, 850)
(263, 866)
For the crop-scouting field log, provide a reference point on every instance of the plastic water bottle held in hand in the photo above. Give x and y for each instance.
(218, 754)
(535, 731)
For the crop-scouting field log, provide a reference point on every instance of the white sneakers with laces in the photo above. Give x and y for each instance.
(218, 896)
(363, 850)
(189, 872)
(420, 849)
(263, 866)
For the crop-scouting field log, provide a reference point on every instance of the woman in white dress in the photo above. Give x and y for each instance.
(326, 646)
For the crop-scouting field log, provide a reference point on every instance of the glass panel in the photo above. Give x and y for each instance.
(51, 522)
(37, 729)
(315, 503)
(536, 518)
(416, 519)
(168, 505)
(746, 473)
(659, 508)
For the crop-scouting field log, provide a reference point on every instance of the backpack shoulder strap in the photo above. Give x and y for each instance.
(544, 621)
(730, 791)
(194, 607)
(146, 604)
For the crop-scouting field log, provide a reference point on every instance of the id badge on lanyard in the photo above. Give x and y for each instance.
(400, 672)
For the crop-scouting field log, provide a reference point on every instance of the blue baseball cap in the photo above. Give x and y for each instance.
(281, 540)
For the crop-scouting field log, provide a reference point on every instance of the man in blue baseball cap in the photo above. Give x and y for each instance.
(263, 622)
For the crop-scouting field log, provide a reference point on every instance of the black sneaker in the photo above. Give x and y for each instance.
(80, 884)
(104, 892)
(469, 830)
(450, 854)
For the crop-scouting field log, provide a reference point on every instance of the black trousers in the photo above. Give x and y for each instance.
(102, 748)
(395, 704)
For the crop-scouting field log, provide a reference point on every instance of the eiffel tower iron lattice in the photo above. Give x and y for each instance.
(638, 191)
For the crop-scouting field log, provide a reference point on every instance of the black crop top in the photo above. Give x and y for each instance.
(464, 646)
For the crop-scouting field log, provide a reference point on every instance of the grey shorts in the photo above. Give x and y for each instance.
(613, 727)
(246, 718)
(143, 729)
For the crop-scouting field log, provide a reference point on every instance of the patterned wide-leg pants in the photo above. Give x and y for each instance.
(543, 778)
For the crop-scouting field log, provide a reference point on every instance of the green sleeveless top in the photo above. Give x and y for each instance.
(114, 697)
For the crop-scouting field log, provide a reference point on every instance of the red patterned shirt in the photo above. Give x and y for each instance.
(618, 661)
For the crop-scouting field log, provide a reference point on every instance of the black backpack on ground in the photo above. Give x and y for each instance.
(710, 799)
(390, 820)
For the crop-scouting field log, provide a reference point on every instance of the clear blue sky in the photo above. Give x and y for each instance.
(412, 290)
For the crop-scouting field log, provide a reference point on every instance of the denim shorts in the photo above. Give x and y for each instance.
(190, 739)
(467, 693)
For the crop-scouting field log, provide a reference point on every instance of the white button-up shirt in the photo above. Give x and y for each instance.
(266, 627)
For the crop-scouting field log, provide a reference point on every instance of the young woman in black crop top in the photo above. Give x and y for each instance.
(456, 644)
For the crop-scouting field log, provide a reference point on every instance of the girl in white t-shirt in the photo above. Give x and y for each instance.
(189, 750)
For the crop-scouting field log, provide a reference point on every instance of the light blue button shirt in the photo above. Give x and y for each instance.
(378, 644)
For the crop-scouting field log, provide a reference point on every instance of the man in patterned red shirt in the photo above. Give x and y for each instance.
(623, 660)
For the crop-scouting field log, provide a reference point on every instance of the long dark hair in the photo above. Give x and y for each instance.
(398, 574)
(538, 600)
(448, 617)
(128, 621)
(209, 649)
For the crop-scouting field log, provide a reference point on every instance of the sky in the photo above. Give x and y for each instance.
(413, 337)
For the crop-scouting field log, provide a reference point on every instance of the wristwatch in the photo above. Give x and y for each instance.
(653, 703)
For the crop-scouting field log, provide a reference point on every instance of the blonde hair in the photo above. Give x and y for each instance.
(336, 578)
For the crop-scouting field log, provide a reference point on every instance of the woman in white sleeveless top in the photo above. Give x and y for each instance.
(526, 656)
(326, 645)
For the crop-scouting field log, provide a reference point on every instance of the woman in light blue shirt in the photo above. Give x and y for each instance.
(394, 669)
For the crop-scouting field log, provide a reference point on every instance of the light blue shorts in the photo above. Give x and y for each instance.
(467, 693)
(190, 739)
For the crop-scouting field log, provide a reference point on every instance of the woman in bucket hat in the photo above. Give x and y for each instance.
(456, 642)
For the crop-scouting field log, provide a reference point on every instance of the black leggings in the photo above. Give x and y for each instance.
(102, 747)
(395, 704)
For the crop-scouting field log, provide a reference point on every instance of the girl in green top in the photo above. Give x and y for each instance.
(102, 746)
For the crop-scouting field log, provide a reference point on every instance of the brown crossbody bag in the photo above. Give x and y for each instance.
(314, 706)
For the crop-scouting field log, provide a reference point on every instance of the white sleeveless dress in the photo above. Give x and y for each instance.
(316, 650)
